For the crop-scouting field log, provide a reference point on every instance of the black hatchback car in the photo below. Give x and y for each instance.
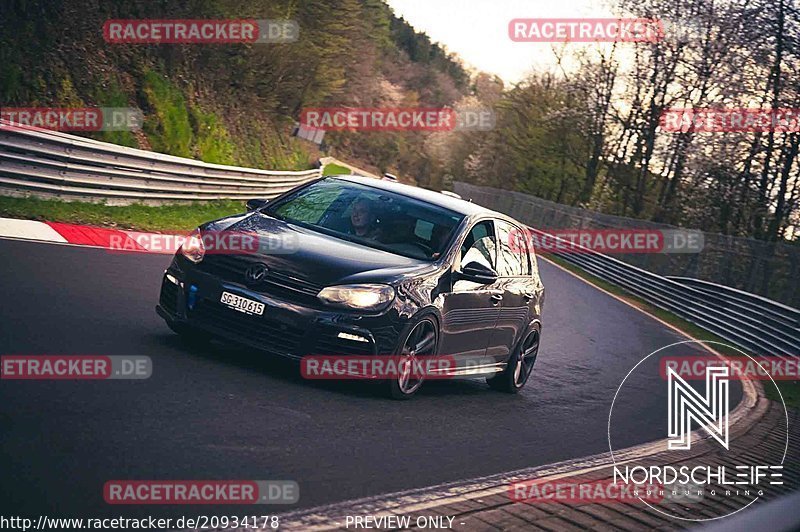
(366, 268)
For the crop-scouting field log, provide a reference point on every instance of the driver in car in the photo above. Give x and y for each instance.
(363, 220)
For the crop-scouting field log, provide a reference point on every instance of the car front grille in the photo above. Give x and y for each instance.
(261, 331)
(232, 268)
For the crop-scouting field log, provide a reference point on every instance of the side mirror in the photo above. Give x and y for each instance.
(477, 273)
(256, 203)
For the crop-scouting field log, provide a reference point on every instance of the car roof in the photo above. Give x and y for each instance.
(436, 198)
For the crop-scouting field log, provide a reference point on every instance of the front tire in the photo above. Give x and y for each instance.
(421, 340)
(519, 367)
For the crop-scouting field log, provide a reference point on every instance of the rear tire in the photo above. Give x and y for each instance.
(520, 366)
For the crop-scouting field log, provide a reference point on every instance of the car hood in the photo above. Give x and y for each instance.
(317, 257)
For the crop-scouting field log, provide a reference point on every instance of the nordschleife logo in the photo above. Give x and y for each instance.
(685, 404)
(717, 448)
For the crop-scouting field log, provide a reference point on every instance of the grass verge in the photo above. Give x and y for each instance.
(335, 169)
(173, 217)
(790, 390)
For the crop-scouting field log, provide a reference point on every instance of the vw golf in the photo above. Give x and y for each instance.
(353, 266)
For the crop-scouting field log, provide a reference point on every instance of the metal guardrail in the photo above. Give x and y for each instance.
(754, 323)
(772, 311)
(51, 163)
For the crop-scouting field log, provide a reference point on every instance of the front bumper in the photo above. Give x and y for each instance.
(286, 328)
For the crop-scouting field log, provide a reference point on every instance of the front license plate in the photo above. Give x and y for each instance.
(242, 304)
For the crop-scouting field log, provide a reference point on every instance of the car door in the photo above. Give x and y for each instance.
(515, 282)
(470, 309)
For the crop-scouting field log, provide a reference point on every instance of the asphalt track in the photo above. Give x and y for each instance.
(220, 412)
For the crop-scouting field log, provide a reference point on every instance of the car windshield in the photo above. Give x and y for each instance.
(370, 216)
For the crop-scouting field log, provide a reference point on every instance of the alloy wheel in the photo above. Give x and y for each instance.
(420, 342)
(526, 359)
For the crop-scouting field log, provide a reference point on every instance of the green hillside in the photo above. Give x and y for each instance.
(230, 104)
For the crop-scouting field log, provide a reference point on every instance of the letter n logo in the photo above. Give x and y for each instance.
(686, 404)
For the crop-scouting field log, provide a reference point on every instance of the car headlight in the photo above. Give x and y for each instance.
(358, 296)
(193, 247)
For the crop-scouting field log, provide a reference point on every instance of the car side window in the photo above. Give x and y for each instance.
(480, 245)
(512, 258)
